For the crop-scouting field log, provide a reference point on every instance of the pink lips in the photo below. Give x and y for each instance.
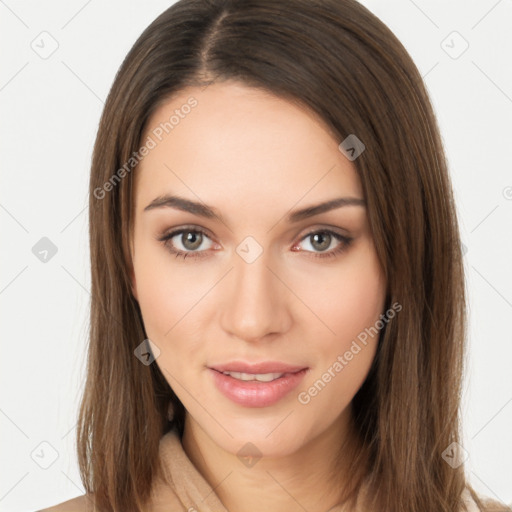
(254, 393)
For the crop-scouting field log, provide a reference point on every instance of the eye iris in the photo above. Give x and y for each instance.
(189, 236)
(325, 244)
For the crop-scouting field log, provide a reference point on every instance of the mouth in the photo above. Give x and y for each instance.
(260, 377)
(258, 384)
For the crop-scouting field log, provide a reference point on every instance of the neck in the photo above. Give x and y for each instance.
(312, 478)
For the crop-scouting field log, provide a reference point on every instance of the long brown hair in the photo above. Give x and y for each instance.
(335, 58)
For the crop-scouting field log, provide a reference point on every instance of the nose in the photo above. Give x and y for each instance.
(257, 302)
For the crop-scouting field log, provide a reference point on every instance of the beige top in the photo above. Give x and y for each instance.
(186, 490)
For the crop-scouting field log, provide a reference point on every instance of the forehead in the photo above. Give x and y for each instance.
(230, 142)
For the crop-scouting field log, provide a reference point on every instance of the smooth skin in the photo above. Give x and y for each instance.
(255, 158)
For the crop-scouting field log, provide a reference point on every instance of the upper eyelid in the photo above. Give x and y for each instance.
(170, 233)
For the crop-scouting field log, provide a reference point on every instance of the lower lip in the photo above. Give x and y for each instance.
(254, 393)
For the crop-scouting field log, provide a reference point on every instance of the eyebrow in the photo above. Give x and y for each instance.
(203, 210)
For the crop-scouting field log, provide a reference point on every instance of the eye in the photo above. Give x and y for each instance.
(191, 240)
(324, 239)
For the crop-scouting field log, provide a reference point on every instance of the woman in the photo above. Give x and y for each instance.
(278, 311)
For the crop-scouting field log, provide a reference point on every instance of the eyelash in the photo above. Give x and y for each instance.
(345, 243)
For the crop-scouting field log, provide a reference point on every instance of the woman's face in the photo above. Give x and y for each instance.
(256, 319)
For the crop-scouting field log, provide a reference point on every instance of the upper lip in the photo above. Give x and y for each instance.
(257, 368)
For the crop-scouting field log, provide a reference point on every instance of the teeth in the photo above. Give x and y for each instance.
(261, 377)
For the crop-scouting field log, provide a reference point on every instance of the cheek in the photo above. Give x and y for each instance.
(170, 299)
(351, 300)
(165, 294)
(350, 306)
(156, 298)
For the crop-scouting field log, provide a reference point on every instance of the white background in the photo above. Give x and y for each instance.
(49, 117)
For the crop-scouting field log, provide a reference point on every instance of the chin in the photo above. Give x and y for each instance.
(273, 436)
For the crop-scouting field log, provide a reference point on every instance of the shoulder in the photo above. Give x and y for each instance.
(79, 504)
